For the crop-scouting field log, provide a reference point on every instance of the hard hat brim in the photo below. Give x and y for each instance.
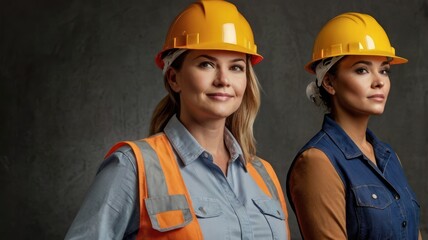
(309, 67)
(255, 57)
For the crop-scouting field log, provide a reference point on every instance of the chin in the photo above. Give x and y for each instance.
(221, 114)
(377, 112)
(224, 112)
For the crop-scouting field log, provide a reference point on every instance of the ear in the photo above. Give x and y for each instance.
(327, 84)
(171, 77)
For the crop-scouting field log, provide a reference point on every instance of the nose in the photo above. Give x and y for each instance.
(222, 79)
(378, 81)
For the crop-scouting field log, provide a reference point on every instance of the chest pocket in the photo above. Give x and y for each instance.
(206, 207)
(210, 216)
(373, 212)
(372, 196)
(274, 215)
(270, 207)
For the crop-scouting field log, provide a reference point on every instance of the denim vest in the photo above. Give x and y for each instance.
(379, 202)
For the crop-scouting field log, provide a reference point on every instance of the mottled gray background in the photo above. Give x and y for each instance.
(77, 76)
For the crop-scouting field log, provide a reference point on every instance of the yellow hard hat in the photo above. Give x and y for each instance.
(210, 25)
(352, 34)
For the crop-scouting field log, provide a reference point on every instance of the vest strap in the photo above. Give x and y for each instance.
(260, 168)
(166, 212)
(155, 177)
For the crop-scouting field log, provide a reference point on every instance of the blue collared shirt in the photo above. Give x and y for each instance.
(226, 206)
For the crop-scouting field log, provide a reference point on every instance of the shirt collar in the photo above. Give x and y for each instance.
(188, 149)
(347, 146)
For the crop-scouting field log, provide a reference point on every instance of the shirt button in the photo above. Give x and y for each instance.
(374, 196)
(404, 224)
(205, 155)
(396, 197)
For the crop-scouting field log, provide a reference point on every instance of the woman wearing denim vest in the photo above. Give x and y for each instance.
(345, 183)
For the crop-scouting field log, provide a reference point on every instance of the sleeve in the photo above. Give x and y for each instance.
(318, 195)
(109, 208)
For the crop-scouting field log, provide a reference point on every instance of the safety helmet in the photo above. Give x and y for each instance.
(352, 34)
(210, 25)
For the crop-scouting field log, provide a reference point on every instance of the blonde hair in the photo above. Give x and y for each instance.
(240, 123)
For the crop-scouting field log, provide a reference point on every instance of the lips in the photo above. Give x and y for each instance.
(377, 97)
(219, 96)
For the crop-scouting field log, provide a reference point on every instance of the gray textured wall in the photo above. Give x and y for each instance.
(76, 76)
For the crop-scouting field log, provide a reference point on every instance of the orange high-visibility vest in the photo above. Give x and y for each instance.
(165, 205)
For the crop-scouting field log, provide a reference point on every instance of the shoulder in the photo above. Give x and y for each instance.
(313, 165)
(320, 141)
(312, 159)
(313, 155)
(260, 162)
(123, 157)
(123, 154)
(263, 168)
(317, 139)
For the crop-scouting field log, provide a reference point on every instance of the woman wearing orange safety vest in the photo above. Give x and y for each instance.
(345, 183)
(197, 176)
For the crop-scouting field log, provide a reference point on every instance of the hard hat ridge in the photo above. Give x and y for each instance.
(210, 25)
(352, 33)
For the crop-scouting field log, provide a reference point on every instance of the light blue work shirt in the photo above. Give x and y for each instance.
(227, 207)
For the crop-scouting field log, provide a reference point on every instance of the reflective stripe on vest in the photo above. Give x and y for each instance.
(166, 210)
(261, 170)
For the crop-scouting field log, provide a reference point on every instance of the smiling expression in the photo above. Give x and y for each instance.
(211, 84)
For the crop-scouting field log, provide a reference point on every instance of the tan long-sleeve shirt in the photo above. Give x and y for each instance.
(318, 195)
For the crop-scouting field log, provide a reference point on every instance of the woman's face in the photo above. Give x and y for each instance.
(211, 84)
(361, 85)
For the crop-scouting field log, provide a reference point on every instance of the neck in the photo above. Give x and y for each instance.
(210, 135)
(354, 125)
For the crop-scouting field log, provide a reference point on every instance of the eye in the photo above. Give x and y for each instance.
(238, 68)
(385, 71)
(361, 70)
(206, 64)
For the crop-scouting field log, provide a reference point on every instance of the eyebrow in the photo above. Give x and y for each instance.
(215, 59)
(370, 63)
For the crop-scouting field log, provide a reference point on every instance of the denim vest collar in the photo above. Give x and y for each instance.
(349, 148)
